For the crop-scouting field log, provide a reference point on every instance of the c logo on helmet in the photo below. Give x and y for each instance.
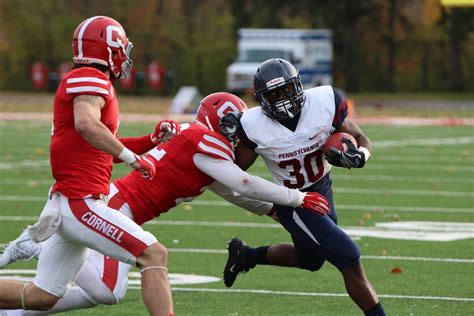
(226, 108)
(113, 36)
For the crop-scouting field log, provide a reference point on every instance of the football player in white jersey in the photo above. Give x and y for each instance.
(288, 131)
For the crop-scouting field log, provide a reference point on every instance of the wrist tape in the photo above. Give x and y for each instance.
(127, 156)
(366, 152)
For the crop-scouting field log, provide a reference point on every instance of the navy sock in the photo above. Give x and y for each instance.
(256, 256)
(376, 310)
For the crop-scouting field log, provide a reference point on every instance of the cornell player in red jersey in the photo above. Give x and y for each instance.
(200, 157)
(84, 143)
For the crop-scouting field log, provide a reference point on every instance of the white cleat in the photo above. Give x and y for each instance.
(21, 249)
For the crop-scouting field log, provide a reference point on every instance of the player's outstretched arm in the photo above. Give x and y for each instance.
(163, 132)
(229, 174)
(252, 205)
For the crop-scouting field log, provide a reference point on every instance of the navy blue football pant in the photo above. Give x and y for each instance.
(318, 238)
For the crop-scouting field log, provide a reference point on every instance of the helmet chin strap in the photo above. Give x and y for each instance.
(209, 125)
(111, 64)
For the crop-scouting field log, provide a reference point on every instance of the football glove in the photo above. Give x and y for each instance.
(316, 202)
(164, 130)
(144, 166)
(351, 158)
(228, 126)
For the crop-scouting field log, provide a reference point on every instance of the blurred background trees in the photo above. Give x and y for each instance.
(379, 45)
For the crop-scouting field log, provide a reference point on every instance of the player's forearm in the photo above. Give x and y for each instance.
(252, 205)
(246, 184)
(139, 145)
(96, 134)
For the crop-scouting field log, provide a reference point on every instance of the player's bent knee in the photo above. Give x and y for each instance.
(311, 266)
(356, 270)
(103, 296)
(38, 299)
(155, 254)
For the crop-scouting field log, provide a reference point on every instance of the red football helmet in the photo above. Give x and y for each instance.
(215, 106)
(102, 40)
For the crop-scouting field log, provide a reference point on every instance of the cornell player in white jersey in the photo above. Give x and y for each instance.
(288, 131)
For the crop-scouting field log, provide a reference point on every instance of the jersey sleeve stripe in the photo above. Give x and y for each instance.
(218, 142)
(87, 89)
(87, 79)
(213, 152)
(341, 110)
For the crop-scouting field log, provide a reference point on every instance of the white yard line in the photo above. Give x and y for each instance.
(439, 180)
(290, 293)
(368, 208)
(423, 142)
(142, 118)
(401, 258)
(387, 192)
(448, 167)
(351, 176)
(404, 192)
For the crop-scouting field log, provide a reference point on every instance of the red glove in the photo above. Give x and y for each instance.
(317, 203)
(144, 166)
(164, 130)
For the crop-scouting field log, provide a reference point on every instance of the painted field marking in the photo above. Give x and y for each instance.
(453, 194)
(412, 230)
(364, 257)
(34, 182)
(367, 208)
(289, 293)
(134, 277)
(405, 192)
(401, 258)
(27, 275)
(423, 142)
(454, 167)
(36, 117)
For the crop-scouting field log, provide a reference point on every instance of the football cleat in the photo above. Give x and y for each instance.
(21, 249)
(236, 262)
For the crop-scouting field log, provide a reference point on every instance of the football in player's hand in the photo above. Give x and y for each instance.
(335, 140)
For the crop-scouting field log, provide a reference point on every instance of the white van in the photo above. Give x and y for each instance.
(310, 50)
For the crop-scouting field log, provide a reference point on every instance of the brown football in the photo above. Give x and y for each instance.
(335, 140)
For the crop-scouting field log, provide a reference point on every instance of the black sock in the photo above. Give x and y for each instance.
(256, 256)
(376, 310)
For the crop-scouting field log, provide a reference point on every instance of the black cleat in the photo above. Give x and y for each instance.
(236, 262)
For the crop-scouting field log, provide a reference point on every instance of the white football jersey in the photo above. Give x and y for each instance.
(295, 159)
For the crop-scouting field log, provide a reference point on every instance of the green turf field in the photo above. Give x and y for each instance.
(419, 183)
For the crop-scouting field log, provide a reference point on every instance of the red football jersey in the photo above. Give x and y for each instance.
(177, 179)
(78, 168)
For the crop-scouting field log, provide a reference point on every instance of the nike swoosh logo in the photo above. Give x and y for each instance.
(232, 268)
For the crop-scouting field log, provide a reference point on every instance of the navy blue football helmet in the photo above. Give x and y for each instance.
(278, 89)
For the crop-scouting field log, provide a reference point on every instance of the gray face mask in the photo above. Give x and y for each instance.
(228, 126)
